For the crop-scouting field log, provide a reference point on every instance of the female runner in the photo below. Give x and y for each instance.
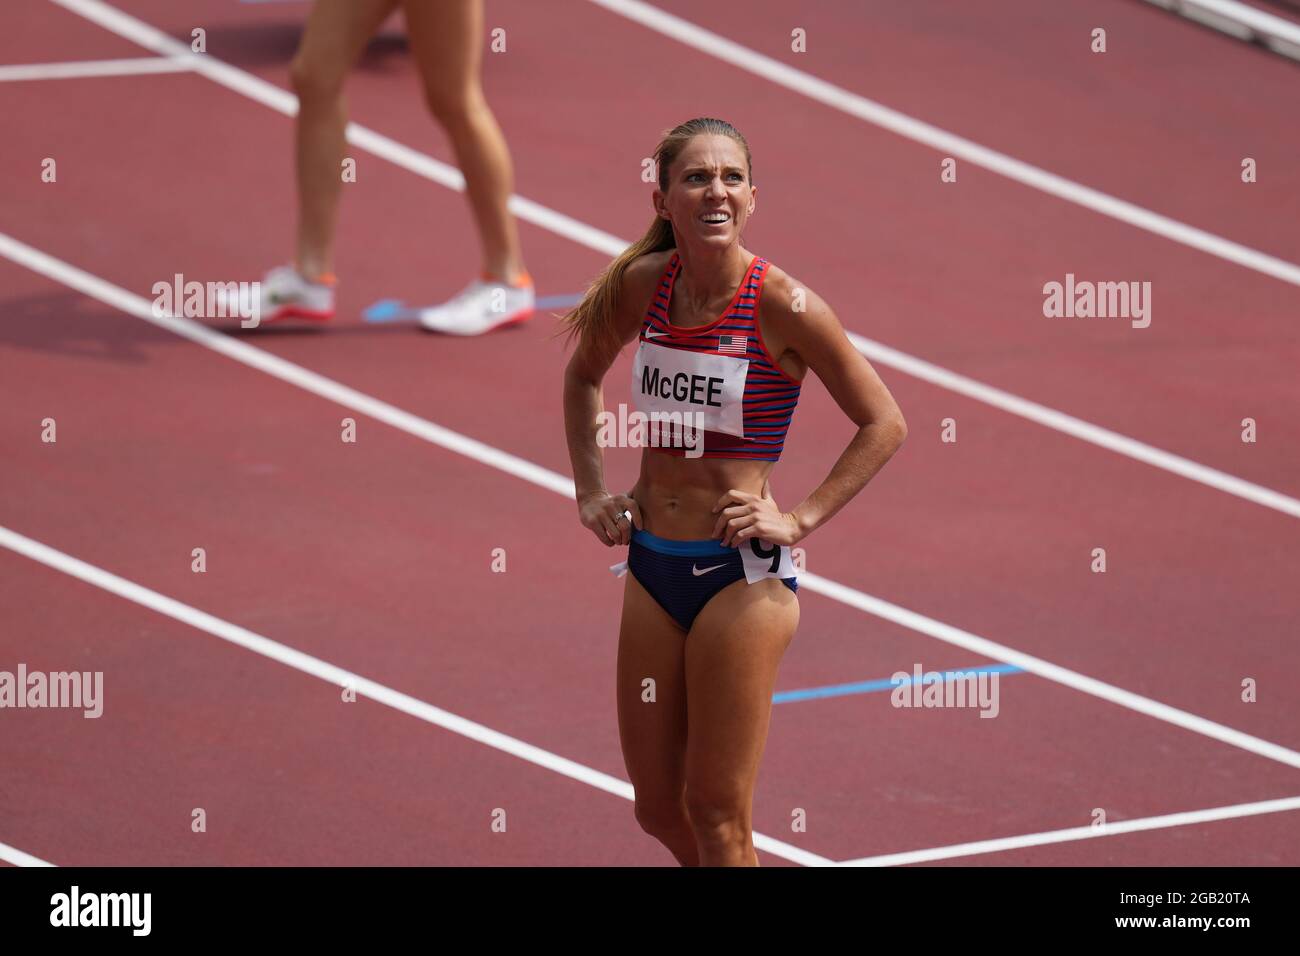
(709, 606)
(447, 40)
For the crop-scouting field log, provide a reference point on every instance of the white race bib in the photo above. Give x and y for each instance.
(763, 560)
(668, 381)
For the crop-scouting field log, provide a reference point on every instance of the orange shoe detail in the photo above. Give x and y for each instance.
(521, 281)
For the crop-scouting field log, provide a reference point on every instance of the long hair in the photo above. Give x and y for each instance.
(592, 319)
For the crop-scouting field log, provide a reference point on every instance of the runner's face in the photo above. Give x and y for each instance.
(709, 195)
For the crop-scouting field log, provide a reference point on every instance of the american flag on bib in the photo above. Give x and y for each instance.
(733, 344)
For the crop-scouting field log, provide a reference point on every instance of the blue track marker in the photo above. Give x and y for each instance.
(389, 310)
(559, 301)
(873, 686)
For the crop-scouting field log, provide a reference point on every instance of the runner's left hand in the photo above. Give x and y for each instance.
(743, 515)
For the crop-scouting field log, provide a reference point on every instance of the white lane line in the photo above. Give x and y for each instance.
(18, 858)
(1079, 833)
(1076, 427)
(1240, 21)
(429, 168)
(1036, 665)
(315, 667)
(1260, 22)
(948, 144)
(256, 358)
(86, 68)
(333, 391)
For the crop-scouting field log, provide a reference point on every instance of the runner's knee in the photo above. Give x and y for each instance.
(718, 818)
(315, 82)
(657, 817)
(453, 107)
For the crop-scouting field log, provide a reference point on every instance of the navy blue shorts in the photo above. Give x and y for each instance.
(683, 576)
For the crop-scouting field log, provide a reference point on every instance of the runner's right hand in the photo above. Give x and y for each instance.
(599, 511)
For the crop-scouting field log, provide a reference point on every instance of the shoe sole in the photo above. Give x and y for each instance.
(293, 312)
(522, 315)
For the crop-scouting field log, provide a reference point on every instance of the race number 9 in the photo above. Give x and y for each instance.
(773, 552)
(764, 560)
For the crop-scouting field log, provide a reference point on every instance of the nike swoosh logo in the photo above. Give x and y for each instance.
(654, 335)
(697, 572)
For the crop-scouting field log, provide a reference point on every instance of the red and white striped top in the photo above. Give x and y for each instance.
(769, 395)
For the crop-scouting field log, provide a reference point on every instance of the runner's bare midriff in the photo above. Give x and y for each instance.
(676, 495)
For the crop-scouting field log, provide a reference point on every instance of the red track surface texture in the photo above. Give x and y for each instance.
(376, 556)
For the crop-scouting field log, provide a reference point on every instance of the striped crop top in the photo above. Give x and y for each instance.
(718, 379)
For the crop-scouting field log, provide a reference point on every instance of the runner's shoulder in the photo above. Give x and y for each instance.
(644, 272)
(785, 299)
(638, 284)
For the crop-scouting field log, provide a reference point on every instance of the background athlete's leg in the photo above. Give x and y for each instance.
(654, 734)
(447, 38)
(336, 33)
(733, 652)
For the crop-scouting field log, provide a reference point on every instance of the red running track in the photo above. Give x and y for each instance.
(375, 556)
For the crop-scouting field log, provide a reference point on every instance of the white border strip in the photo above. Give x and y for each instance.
(18, 858)
(1078, 833)
(429, 168)
(315, 667)
(1241, 22)
(350, 398)
(946, 143)
(86, 68)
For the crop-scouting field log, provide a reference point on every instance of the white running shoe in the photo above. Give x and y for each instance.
(483, 305)
(284, 293)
